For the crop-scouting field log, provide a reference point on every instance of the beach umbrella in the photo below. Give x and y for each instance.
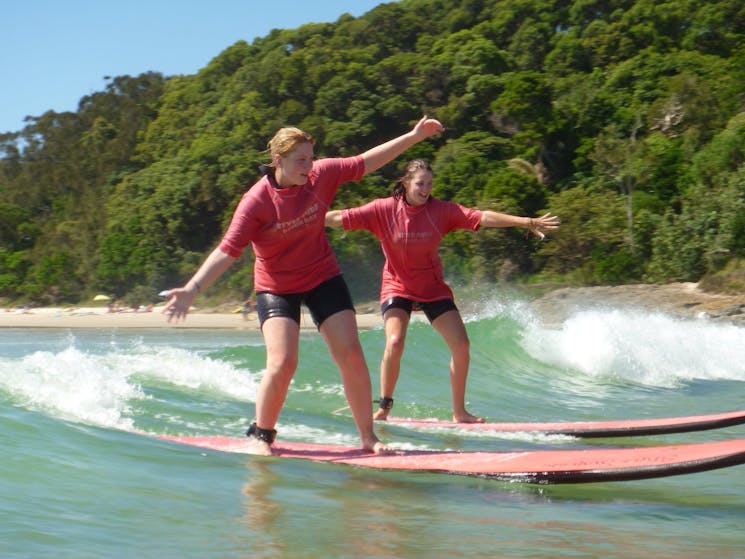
(101, 298)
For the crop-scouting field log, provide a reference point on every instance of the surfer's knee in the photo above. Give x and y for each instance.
(461, 346)
(282, 367)
(394, 343)
(350, 357)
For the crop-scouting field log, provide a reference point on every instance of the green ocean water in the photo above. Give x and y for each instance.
(78, 480)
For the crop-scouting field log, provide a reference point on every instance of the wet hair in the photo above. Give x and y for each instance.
(285, 140)
(411, 167)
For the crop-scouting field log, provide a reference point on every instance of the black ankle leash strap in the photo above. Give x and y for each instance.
(385, 403)
(266, 435)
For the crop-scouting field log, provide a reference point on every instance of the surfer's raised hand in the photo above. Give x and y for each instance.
(427, 127)
(180, 298)
(540, 225)
(179, 302)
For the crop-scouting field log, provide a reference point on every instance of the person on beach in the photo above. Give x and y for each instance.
(410, 225)
(282, 216)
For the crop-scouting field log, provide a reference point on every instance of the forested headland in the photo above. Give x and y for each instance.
(626, 118)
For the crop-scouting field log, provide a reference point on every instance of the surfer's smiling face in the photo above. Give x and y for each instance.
(418, 187)
(294, 167)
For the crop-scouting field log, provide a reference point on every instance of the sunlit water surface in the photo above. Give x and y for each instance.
(78, 480)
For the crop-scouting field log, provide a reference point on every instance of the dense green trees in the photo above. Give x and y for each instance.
(625, 117)
(54, 188)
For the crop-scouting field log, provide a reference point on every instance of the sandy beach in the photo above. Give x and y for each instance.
(100, 317)
(685, 300)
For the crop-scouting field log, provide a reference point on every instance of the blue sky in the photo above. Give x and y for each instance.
(53, 52)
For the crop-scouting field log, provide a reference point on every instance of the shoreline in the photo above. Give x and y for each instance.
(683, 300)
(101, 318)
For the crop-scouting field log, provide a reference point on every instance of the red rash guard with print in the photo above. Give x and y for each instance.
(285, 227)
(410, 237)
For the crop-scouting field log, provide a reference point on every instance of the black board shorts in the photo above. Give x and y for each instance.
(327, 298)
(431, 309)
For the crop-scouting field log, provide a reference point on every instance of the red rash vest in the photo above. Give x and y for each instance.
(285, 227)
(410, 237)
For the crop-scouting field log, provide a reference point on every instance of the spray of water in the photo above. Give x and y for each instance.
(647, 348)
(100, 388)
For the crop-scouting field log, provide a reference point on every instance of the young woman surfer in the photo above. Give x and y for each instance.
(282, 216)
(410, 225)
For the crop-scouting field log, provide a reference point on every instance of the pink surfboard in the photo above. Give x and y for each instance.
(589, 429)
(529, 466)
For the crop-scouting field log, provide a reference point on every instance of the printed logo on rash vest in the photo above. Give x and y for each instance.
(309, 216)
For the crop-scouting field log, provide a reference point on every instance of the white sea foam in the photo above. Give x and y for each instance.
(498, 306)
(72, 385)
(649, 348)
(99, 389)
(187, 369)
(318, 387)
(307, 433)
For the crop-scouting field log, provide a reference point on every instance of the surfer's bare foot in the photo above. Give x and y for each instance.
(466, 417)
(258, 447)
(377, 447)
(260, 440)
(381, 415)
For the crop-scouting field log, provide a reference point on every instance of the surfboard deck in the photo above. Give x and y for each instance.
(589, 429)
(527, 466)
